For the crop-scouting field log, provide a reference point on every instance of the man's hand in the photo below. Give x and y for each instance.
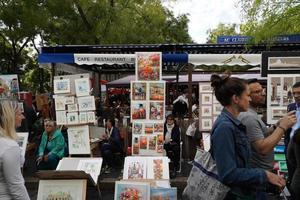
(288, 120)
(275, 179)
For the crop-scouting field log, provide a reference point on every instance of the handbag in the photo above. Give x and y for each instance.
(203, 183)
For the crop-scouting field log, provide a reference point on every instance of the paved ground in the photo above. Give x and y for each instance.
(107, 182)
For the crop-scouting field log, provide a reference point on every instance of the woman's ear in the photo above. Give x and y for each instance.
(235, 99)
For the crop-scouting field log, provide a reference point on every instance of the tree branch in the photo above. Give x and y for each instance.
(82, 15)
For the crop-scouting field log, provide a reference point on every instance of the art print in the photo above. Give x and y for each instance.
(9, 86)
(135, 146)
(72, 118)
(158, 168)
(22, 140)
(148, 128)
(157, 91)
(83, 118)
(278, 113)
(143, 142)
(60, 103)
(70, 100)
(91, 117)
(62, 189)
(217, 109)
(21, 106)
(163, 193)
(138, 90)
(82, 87)
(92, 167)
(79, 141)
(156, 110)
(138, 110)
(61, 86)
(72, 107)
(148, 66)
(160, 148)
(158, 127)
(137, 128)
(206, 124)
(61, 117)
(160, 139)
(86, 103)
(132, 190)
(205, 88)
(284, 63)
(206, 98)
(206, 111)
(135, 168)
(152, 142)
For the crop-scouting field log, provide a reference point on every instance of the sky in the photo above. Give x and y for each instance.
(205, 15)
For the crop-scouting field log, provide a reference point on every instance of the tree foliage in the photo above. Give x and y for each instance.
(222, 29)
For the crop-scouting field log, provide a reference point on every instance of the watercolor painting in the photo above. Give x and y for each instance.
(92, 167)
(61, 117)
(72, 107)
(206, 98)
(22, 141)
(148, 128)
(62, 189)
(148, 66)
(143, 142)
(138, 110)
(61, 86)
(152, 142)
(79, 141)
(86, 103)
(158, 127)
(72, 118)
(205, 88)
(60, 103)
(138, 90)
(156, 110)
(157, 91)
(82, 87)
(83, 119)
(137, 128)
(163, 193)
(126, 190)
(158, 168)
(9, 86)
(135, 168)
(91, 118)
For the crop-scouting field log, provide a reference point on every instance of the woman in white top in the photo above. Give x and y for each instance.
(11, 180)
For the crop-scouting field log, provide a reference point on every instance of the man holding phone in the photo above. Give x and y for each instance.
(262, 139)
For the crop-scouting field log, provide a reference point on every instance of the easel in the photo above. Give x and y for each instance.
(68, 175)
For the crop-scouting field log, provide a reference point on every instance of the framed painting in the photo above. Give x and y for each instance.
(138, 90)
(152, 142)
(9, 86)
(137, 128)
(143, 142)
(148, 128)
(86, 103)
(72, 107)
(206, 124)
(158, 127)
(205, 88)
(206, 111)
(206, 99)
(62, 189)
(135, 168)
(72, 118)
(157, 91)
(135, 146)
(22, 141)
(61, 86)
(158, 168)
(82, 87)
(138, 110)
(61, 118)
(70, 100)
(82, 117)
(217, 109)
(148, 66)
(91, 117)
(157, 110)
(163, 193)
(132, 190)
(60, 103)
(92, 167)
(79, 140)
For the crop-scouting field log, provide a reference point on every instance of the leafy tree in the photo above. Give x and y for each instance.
(222, 29)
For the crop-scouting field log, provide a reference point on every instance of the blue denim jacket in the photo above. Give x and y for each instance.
(231, 151)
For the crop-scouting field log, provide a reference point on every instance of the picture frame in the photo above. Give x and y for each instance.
(148, 66)
(61, 117)
(82, 87)
(59, 189)
(206, 111)
(205, 88)
(135, 168)
(138, 90)
(92, 167)
(161, 193)
(135, 190)
(21, 106)
(158, 168)
(61, 86)
(60, 103)
(137, 128)
(156, 110)
(152, 142)
(83, 119)
(158, 127)
(217, 109)
(135, 146)
(206, 99)
(143, 142)
(86, 103)
(22, 141)
(79, 140)
(72, 118)
(148, 128)
(10, 86)
(206, 124)
(69, 100)
(284, 63)
(157, 91)
(72, 107)
(91, 118)
(138, 110)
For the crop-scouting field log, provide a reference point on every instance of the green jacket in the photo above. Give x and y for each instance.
(57, 144)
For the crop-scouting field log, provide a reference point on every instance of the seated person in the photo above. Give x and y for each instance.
(111, 143)
(172, 141)
(52, 147)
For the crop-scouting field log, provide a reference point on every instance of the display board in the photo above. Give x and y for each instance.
(279, 95)
(147, 105)
(209, 107)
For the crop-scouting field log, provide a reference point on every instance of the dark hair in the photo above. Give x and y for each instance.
(296, 85)
(225, 87)
(253, 80)
(112, 121)
(170, 116)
